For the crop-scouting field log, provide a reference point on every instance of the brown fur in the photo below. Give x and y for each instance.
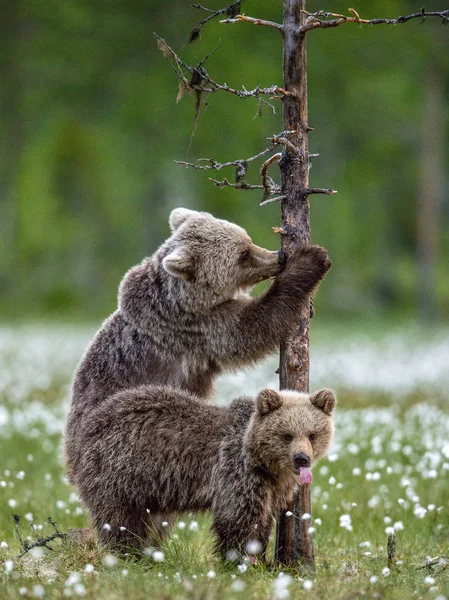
(185, 315)
(154, 450)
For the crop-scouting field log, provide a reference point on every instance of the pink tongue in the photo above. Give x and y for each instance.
(305, 475)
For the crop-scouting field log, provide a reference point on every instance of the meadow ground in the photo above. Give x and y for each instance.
(388, 468)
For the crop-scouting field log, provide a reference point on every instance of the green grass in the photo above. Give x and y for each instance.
(399, 448)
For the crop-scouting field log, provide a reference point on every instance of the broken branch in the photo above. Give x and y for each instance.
(231, 11)
(41, 542)
(200, 80)
(241, 185)
(262, 22)
(322, 19)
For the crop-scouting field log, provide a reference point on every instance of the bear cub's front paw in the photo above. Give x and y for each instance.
(311, 258)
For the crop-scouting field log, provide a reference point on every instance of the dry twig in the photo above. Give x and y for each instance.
(200, 80)
(40, 541)
(322, 19)
(231, 11)
(262, 22)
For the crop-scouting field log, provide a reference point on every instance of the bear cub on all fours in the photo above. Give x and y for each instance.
(184, 315)
(155, 450)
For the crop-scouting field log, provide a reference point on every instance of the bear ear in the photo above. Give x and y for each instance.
(178, 216)
(267, 401)
(325, 400)
(179, 264)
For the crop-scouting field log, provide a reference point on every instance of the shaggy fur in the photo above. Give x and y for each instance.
(185, 315)
(154, 450)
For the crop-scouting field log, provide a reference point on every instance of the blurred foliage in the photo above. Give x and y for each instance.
(89, 129)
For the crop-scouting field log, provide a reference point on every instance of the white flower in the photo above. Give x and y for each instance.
(332, 480)
(386, 572)
(420, 512)
(23, 591)
(164, 523)
(232, 555)
(311, 530)
(124, 572)
(345, 522)
(79, 589)
(399, 525)
(429, 580)
(242, 568)
(12, 503)
(72, 579)
(9, 565)
(107, 527)
(158, 556)
(333, 457)
(253, 547)
(37, 552)
(389, 530)
(89, 568)
(280, 586)
(431, 507)
(60, 504)
(307, 585)
(29, 516)
(289, 513)
(365, 544)
(387, 520)
(211, 574)
(193, 526)
(20, 475)
(181, 525)
(356, 471)
(373, 579)
(109, 560)
(318, 521)
(306, 517)
(3, 545)
(238, 585)
(38, 591)
(401, 501)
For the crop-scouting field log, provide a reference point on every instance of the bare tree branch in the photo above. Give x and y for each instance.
(231, 11)
(262, 22)
(242, 185)
(41, 542)
(200, 80)
(268, 185)
(326, 191)
(322, 19)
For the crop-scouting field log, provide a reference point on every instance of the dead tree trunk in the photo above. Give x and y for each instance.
(293, 542)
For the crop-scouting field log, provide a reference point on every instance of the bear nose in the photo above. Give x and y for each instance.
(301, 460)
(281, 257)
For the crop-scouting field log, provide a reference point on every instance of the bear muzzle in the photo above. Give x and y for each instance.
(301, 460)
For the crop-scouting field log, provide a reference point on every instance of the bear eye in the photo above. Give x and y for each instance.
(288, 437)
(312, 437)
(244, 256)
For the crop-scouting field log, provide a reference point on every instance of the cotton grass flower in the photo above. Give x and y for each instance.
(280, 586)
(345, 522)
(386, 572)
(109, 560)
(158, 556)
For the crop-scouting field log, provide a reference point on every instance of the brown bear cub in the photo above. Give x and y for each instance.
(185, 315)
(154, 450)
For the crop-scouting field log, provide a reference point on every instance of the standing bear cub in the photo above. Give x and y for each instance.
(154, 450)
(184, 315)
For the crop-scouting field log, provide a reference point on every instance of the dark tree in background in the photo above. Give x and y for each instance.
(293, 541)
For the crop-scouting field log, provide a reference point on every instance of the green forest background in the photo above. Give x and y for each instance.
(90, 127)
